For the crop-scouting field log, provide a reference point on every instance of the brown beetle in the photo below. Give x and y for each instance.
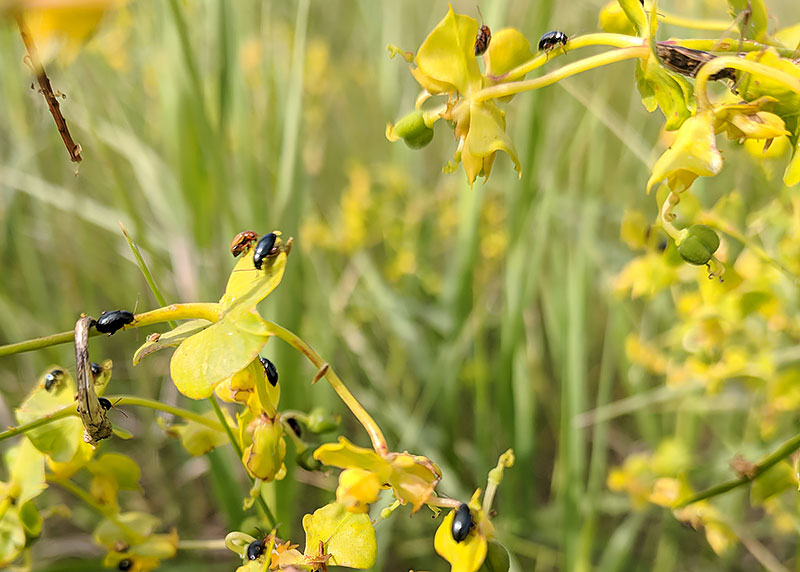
(242, 242)
(483, 38)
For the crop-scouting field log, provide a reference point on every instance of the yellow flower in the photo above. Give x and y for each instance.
(693, 154)
(412, 478)
(748, 121)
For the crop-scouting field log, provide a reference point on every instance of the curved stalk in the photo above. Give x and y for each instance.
(600, 39)
(771, 460)
(375, 433)
(755, 68)
(566, 71)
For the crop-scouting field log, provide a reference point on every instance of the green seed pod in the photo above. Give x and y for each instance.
(496, 558)
(699, 245)
(413, 130)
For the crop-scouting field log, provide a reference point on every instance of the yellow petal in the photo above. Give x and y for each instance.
(465, 556)
(693, 154)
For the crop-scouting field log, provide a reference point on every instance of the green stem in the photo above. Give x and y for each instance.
(55, 416)
(213, 544)
(204, 310)
(372, 428)
(43, 342)
(601, 39)
(695, 23)
(566, 71)
(239, 453)
(773, 459)
(728, 45)
(148, 276)
(107, 511)
(177, 411)
(755, 68)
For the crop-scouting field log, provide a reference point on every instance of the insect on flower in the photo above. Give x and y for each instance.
(256, 549)
(53, 379)
(550, 40)
(483, 38)
(106, 404)
(242, 242)
(125, 564)
(270, 370)
(264, 249)
(462, 523)
(110, 322)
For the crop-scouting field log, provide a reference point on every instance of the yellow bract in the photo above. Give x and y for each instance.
(445, 60)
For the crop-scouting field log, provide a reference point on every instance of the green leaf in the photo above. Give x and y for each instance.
(635, 12)
(119, 468)
(671, 92)
(757, 20)
(12, 537)
(219, 351)
(196, 438)
(508, 49)
(348, 537)
(447, 55)
(773, 481)
(59, 439)
(169, 339)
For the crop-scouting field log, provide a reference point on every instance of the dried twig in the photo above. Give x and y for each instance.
(73, 148)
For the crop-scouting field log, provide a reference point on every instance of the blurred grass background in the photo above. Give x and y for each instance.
(467, 321)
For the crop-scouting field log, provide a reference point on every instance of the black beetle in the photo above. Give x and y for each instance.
(263, 249)
(110, 322)
(106, 404)
(292, 422)
(270, 370)
(462, 523)
(125, 564)
(255, 549)
(53, 379)
(97, 369)
(550, 40)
